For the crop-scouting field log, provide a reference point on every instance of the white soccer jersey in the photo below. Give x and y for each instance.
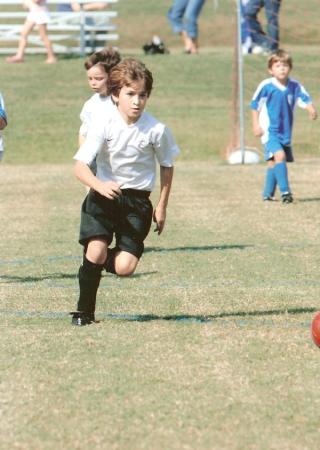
(97, 104)
(126, 153)
(2, 112)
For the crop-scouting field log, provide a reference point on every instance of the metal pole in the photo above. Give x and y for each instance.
(82, 32)
(240, 82)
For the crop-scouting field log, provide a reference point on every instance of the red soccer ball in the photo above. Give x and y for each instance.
(315, 329)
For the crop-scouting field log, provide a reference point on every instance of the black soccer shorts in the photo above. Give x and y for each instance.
(127, 218)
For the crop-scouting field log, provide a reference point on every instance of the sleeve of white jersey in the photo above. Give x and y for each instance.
(260, 96)
(85, 120)
(93, 143)
(166, 148)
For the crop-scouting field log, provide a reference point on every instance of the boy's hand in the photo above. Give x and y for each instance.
(109, 189)
(3, 123)
(257, 130)
(313, 114)
(312, 111)
(159, 217)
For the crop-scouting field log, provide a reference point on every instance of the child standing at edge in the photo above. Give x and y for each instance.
(126, 145)
(3, 124)
(273, 106)
(97, 65)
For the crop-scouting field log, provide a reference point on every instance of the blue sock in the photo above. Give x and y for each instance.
(281, 174)
(270, 183)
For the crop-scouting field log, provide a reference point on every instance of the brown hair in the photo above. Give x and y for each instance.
(107, 58)
(279, 55)
(127, 72)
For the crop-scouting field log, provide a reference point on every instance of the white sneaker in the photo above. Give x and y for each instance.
(257, 50)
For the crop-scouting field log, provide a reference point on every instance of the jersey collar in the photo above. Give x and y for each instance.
(278, 84)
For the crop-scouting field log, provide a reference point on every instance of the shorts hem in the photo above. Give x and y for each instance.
(137, 254)
(84, 240)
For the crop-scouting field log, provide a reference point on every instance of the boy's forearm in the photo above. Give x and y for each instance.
(166, 175)
(256, 128)
(159, 214)
(255, 117)
(85, 175)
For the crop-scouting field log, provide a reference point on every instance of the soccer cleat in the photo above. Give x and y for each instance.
(268, 198)
(80, 319)
(287, 198)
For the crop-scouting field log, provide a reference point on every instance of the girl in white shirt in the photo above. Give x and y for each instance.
(38, 16)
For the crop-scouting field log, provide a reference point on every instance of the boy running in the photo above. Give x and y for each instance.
(126, 144)
(273, 106)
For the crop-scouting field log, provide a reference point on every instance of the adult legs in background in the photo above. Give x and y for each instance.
(251, 11)
(269, 40)
(246, 39)
(176, 13)
(272, 8)
(183, 17)
(191, 15)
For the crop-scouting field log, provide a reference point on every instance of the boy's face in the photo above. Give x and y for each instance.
(280, 71)
(97, 79)
(131, 101)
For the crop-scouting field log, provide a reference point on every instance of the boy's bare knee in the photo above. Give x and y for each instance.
(125, 272)
(125, 264)
(124, 269)
(97, 251)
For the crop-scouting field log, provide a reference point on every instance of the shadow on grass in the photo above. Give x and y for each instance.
(201, 248)
(57, 276)
(34, 279)
(204, 318)
(314, 199)
(242, 316)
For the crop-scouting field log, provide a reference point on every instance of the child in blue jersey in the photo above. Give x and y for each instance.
(3, 124)
(272, 106)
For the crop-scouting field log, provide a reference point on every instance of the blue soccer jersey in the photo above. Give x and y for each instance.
(276, 104)
(4, 116)
(2, 110)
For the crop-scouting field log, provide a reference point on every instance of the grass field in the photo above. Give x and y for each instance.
(216, 25)
(207, 346)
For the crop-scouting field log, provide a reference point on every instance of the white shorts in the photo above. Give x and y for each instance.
(38, 17)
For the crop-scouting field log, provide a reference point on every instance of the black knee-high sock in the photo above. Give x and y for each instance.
(109, 264)
(89, 280)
